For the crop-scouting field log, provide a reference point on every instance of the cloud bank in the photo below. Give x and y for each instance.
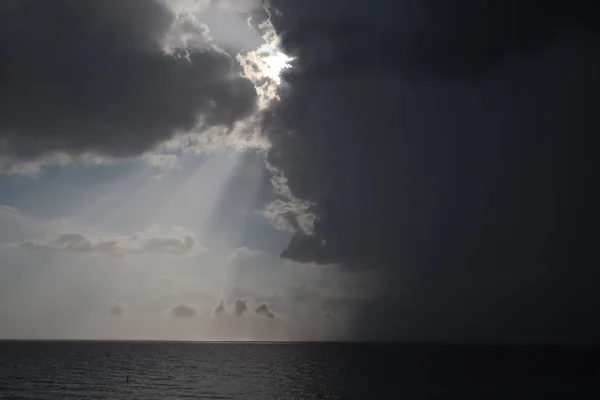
(437, 143)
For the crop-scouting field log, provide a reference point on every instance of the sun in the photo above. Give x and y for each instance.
(274, 62)
(264, 67)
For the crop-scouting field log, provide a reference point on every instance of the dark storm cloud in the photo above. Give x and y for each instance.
(183, 311)
(438, 142)
(92, 76)
(423, 37)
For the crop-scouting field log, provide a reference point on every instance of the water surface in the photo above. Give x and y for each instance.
(167, 370)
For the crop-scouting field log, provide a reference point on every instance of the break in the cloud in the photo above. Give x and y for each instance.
(143, 243)
(183, 311)
(425, 135)
(108, 78)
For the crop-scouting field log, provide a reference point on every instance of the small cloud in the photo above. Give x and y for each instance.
(240, 306)
(183, 311)
(116, 310)
(118, 245)
(329, 315)
(220, 308)
(264, 311)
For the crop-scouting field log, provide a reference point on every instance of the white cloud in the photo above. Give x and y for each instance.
(148, 243)
(243, 135)
(263, 65)
(288, 213)
(11, 166)
(289, 216)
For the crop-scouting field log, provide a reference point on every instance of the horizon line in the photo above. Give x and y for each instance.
(334, 342)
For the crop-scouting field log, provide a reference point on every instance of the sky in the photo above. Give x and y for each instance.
(406, 170)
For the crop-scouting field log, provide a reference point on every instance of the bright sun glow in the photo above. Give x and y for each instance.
(275, 62)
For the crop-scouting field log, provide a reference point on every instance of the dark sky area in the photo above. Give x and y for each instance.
(448, 145)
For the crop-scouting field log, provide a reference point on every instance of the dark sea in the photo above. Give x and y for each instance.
(171, 370)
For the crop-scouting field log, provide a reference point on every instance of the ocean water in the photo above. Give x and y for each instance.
(165, 370)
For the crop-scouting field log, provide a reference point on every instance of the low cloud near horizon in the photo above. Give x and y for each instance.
(183, 311)
(116, 246)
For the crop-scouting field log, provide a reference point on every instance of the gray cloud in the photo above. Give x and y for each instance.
(183, 311)
(94, 77)
(220, 309)
(264, 311)
(240, 306)
(117, 246)
(116, 310)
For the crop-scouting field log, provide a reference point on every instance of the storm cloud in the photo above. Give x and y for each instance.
(437, 143)
(110, 78)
